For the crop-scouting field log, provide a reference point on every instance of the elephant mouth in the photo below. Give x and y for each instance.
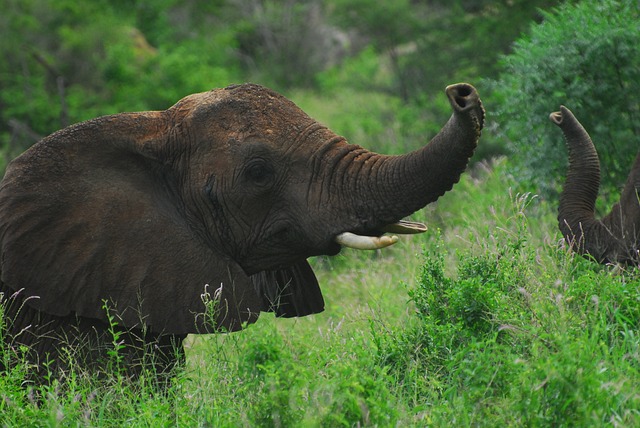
(365, 242)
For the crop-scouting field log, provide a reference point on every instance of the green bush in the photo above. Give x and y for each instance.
(506, 333)
(502, 340)
(584, 56)
(476, 308)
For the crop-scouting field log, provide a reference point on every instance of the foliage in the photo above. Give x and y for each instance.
(431, 44)
(286, 43)
(584, 56)
(60, 67)
(519, 334)
(403, 23)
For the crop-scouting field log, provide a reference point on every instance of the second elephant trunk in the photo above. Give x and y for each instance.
(614, 238)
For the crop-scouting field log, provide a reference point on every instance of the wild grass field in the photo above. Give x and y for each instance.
(485, 320)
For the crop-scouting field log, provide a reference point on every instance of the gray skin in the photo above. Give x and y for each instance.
(196, 219)
(615, 237)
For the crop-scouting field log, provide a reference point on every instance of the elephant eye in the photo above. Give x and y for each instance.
(259, 172)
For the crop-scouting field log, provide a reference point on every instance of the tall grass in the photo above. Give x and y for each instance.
(486, 320)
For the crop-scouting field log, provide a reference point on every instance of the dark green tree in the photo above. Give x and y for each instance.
(392, 26)
(432, 43)
(65, 61)
(584, 56)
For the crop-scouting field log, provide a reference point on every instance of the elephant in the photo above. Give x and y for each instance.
(615, 238)
(123, 234)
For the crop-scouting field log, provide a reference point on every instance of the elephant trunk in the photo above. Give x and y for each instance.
(612, 239)
(426, 174)
(389, 188)
(576, 211)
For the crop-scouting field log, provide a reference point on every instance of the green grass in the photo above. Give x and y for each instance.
(485, 320)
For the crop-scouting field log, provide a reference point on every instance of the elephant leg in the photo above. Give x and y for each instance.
(52, 346)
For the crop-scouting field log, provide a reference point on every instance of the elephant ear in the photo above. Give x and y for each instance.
(289, 292)
(90, 224)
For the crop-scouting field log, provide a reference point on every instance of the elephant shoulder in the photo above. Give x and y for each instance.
(89, 231)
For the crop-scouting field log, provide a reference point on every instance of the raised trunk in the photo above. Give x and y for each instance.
(389, 188)
(578, 198)
(612, 239)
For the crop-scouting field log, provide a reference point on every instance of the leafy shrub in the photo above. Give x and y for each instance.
(584, 56)
(276, 379)
(533, 334)
(479, 305)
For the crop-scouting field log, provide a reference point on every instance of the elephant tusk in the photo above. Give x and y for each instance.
(405, 228)
(360, 242)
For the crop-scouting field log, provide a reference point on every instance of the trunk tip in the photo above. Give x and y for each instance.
(558, 117)
(464, 98)
(462, 95)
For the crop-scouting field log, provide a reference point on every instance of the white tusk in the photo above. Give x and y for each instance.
(360, 242)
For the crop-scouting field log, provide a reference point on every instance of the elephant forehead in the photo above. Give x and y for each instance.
(247, 109)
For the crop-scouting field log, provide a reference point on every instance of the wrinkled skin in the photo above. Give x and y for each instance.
(198, 218)
(615, 237)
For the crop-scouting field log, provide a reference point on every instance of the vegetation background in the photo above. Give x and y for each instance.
(486, 320)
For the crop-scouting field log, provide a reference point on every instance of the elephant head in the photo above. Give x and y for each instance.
(215, 203)
(615, 237)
